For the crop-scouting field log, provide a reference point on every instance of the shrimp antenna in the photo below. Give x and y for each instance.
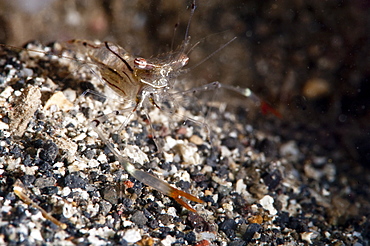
(173, 36)
(187, 37)
(193, 7)
(209, 56)
(193, 47)
(204, 38)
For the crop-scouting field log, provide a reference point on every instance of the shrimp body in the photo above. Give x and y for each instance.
(133, 78)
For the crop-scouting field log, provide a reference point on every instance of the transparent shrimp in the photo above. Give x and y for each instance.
(147, 81)
(140, 81)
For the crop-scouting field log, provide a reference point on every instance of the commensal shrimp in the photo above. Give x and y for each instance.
(136, 80)
(146, 81)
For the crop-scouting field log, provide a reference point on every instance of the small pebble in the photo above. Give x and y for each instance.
(73, 180)
(139, 218)
(273, 179)
(110, 194)
(195, 139)
(168, 241)
(45, 182)
(49, 151)
(230, 142)
(251, 230)
(59, 100)
(267, 202)
(132, 235)
(228, 226)
(307, 236)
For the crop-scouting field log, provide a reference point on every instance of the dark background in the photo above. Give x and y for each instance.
(309, 59)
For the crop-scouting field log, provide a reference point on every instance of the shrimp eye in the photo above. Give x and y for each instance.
(140, 63)
(184, 59)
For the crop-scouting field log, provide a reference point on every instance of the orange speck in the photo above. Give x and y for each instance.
(146, 241)
(204, 242)
(256, 219)
(128, 184)
(208, 193)
(266, 108)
